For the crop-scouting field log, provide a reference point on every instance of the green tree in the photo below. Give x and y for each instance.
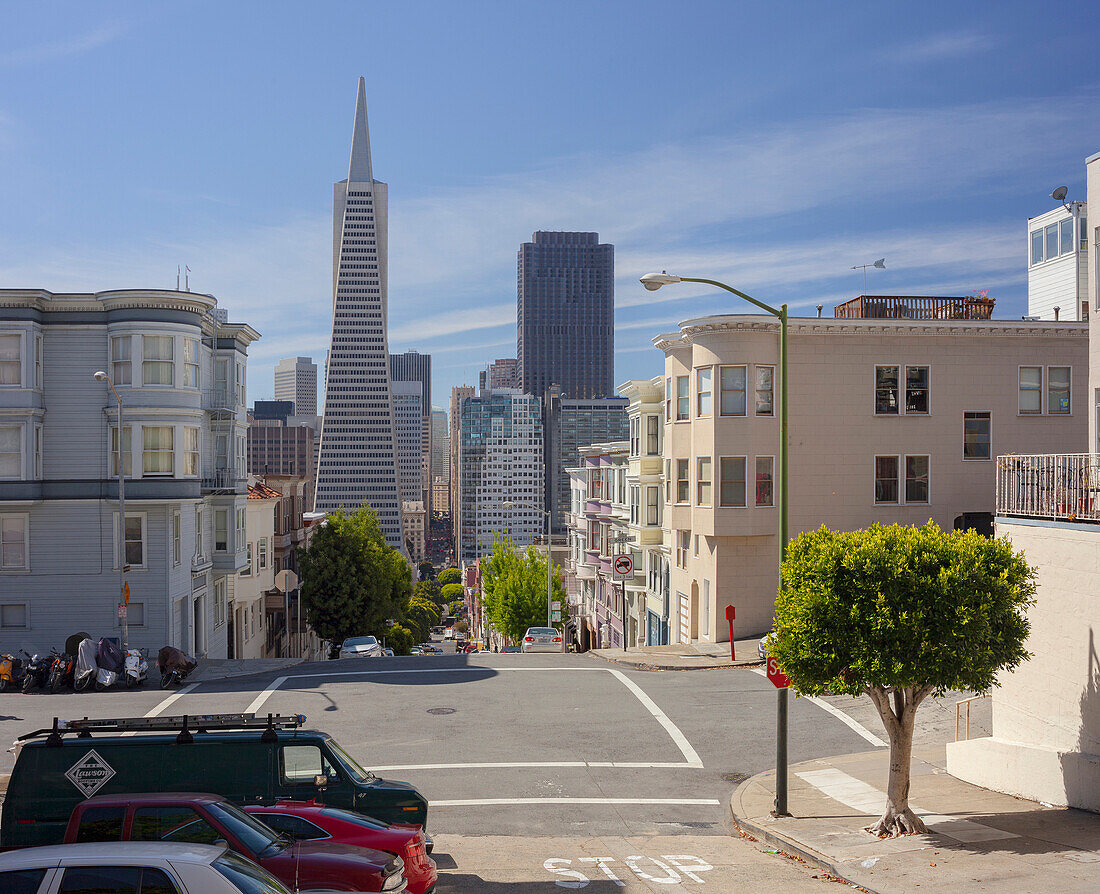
(420, 617)
(426, 570)
(461, 626)
(352, 582)
(428, 589)
(450, 576)
(900, 613)
(514, 589)
(451, 593)
(400, 639)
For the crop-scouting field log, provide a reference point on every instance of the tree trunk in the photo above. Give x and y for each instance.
(899, 720)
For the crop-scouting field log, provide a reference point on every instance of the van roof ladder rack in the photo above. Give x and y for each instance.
(182, 724)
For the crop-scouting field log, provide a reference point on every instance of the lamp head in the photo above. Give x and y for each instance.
(100, 376)
(880, 263)
(1060, 193)
(508, 505)
(654, 281)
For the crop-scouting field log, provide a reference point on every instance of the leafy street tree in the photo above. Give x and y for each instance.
(428, 589)
(426, 570)
(462, 627)
(451, 593)
(514, 588)
(400, 639)
(351, 581)
(900, 613)
(450, 576)
(420, 617)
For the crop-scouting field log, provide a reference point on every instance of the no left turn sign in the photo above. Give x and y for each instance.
(623, 567)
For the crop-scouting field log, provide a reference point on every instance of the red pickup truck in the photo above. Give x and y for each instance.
(204, 819)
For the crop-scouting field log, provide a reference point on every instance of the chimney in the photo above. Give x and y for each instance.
(1056, 309)
(819, 311)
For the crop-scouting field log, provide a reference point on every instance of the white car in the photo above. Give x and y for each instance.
(543, 639)
(134, 866)
(360, 647)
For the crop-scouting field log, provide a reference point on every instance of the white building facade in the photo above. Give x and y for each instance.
(408, 426)
(1057, 269)
(296, 381)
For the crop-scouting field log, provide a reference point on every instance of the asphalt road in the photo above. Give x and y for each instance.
(542, 771)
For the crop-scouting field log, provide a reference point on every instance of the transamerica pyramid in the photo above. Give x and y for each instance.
(358, 455)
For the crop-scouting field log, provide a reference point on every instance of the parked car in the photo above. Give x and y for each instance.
(387, 653)
(431, 649)
(205, 819)
(310, 821)
(360, 647)
(246, 765)
(416, 650)
(511, 649)
(133, 866)
(542, 639)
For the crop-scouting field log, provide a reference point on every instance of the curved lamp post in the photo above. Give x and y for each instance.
(101, 376)
(654, 281)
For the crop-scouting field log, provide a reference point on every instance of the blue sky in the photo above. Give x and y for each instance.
(772, 145)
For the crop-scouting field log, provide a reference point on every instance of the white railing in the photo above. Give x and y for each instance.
(1052, 485)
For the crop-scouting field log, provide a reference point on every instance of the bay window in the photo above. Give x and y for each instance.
(731, 487)
(158, 360)
(732, 391)
(158, 451)
(122, 366)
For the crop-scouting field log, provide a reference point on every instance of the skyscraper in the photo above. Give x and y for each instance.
(358, 457)
(296, 380)
(566, 315)
(458, 394)
(407, 427)
(412, 366)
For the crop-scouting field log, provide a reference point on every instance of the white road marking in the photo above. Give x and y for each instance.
(172, 699)
(490, 802)
(259, 700)
(504, 765)
(865, 798)
(852, 724)
(671, 728)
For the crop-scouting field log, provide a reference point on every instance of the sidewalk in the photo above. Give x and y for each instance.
(693, 656)
(223, 668)
(979, 840)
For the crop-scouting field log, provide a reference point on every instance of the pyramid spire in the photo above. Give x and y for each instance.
(360, 168)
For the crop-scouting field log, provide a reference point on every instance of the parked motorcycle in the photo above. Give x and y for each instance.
(137, 668)
(111, 663)
(11, 672)
(61, 672)
(36, 670)
(174, 666)
(86, 668)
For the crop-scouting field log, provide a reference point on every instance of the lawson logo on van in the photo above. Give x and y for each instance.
(90, 774)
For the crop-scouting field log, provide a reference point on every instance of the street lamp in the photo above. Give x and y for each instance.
(101, 376)
(654, 281)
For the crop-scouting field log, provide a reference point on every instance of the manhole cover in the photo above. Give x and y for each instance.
(735, 778)
(445, 711)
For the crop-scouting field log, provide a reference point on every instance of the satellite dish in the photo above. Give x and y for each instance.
(881, 263)
(1059, 194)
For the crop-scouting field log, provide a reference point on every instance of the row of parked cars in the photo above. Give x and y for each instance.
(216, 803)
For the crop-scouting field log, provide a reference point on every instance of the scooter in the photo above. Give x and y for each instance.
(61, 672)
(11, 672)
(37, 669)
(174, 666)
(86, 668)
(109, 658)
(137, 668)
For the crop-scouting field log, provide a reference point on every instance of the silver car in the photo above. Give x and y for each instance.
(543, 639)
(360, 647)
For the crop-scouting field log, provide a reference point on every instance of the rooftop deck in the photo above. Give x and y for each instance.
(914, 307)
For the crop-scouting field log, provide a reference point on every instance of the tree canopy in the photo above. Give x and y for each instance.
(514, 589)
(900, 613)
(451, 593)
(449, 576)
(352, 582)
(426, 570)
(420, 617)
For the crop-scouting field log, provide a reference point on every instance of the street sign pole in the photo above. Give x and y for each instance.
(731, 613)
(622, 567)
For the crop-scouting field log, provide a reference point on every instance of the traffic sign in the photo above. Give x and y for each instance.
(778, 678)
(623, 567)
(555, 605)
(126, 593)
(555, 616)
(122, 611)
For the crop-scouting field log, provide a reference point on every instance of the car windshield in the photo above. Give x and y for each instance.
(361, 641)
(247, 876)
(248, 830)
(541, 631)
(349, 764)
(358, 819)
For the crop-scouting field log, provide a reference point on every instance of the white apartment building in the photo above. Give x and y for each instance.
(408, 427)
(500, 471)
(180, 374)
(415, 518)
(1046, 714)
(892, 418)
(248, 588)
(296, 381)
(1057, 271)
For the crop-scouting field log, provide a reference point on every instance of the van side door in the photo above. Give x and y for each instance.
(299, 764)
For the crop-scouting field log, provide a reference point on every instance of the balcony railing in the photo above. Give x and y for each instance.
(221, 480)
(914, 307)
(1058, 486)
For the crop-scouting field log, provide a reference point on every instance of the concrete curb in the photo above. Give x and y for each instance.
(649, 666)
(782, 842)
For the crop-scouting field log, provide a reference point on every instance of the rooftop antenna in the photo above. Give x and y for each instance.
(1059, 195)
(187, 278)
(880, 264)
(177, 277)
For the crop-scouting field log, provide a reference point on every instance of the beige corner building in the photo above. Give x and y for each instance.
(898, 409)
(1046, 715)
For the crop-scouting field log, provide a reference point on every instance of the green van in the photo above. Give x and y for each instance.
(245, 759)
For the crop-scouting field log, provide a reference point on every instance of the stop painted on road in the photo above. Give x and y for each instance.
(668, 869)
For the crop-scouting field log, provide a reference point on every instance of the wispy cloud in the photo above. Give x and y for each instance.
(54, 50)
(937, 47)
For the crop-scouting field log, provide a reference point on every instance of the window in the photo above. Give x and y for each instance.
(200, 544)
(135, 615)
(695, 547)
(1036, 246)
(14, 615)
(702, 481)
(1051, 250)
(177, 538)
(191, 451)
(1031, 390)
(134, 547)
(886, 390)
(1083, 230)
(127, 451)
(158, 366)
(248, 560)
(652, 435)
(916, 479)
(916, 389)
(731, 488)
(11, 451)
(157, 453)
(886, 479)
(702, 391)
(191, 363)
(732, 386)
(240, 529)
(1066, 235)
(219, 602)
(262, 548)
(653, 506)
(38, 452)
(682, 484)
(116, 879)
(21, 881)
(121, 362)
(301, 764)
(240, 385)
(1058, 390)
(182, 824)
(101, 824)
(221, 530)
(765, 391)
(293, 826)
(668, 471)
(242, 457)
(11, 359)
(682, 398)
(13, 542)
(668, 400)
(38, 362)
(683, 543)
(635, 438)
(765, 481)
(635, 504)
(977, 430)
